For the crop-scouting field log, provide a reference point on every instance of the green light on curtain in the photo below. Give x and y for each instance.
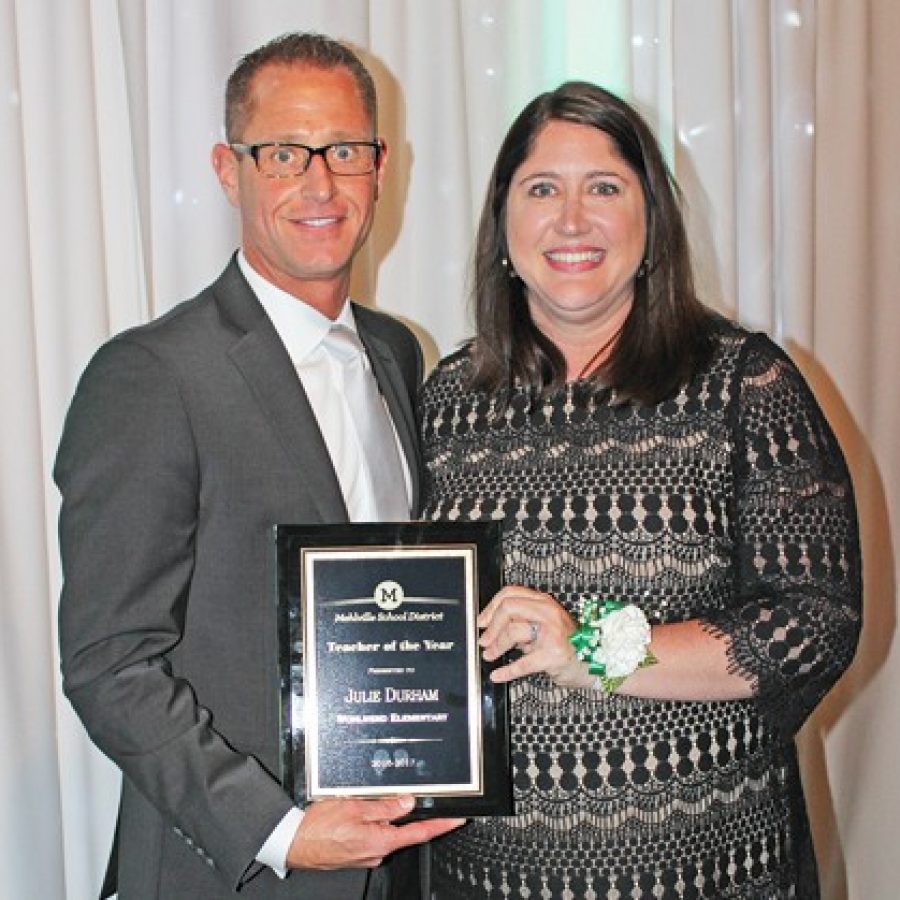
(592, 42)
(574, 39)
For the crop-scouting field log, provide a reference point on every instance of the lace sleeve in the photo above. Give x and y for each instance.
(795, 623)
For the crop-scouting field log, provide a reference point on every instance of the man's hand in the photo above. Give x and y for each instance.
(356, 834)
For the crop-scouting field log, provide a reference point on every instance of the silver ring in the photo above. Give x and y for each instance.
(534, 631)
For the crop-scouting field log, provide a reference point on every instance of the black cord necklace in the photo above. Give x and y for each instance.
(590, 364)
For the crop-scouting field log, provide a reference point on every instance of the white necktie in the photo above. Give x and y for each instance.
(377, 442)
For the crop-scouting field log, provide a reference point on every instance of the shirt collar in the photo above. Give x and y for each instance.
(300, 327)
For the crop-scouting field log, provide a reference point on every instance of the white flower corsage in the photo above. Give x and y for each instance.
(614, 640)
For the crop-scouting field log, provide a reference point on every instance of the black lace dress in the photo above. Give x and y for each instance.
(730, 503)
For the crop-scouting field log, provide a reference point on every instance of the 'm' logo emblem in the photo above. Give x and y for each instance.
(388, 595)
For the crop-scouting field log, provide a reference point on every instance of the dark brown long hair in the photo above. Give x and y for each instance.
(666, 337)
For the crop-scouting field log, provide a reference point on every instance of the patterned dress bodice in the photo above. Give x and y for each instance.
(729, 504)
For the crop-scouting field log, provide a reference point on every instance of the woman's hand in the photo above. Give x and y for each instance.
(692, 660)
(533, 622)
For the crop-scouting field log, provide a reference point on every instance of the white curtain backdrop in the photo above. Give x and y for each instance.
(779, 117)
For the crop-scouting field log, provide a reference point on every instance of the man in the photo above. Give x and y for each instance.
(187, 440)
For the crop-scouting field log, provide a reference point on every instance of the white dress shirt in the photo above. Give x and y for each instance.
(302, 330)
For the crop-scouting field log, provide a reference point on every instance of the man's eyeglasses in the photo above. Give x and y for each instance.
(275, 159)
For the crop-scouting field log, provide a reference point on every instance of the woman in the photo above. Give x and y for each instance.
(638, 449)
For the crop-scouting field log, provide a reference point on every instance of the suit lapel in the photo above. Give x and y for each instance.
(265, 365)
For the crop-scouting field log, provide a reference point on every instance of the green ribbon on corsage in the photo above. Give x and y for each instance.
(587, 640)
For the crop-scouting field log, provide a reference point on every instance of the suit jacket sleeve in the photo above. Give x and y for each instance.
(129, 475)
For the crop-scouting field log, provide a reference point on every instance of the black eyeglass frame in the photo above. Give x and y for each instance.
(252, 150)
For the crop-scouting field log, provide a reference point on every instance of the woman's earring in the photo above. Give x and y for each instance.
(509, 269)
(642, 269)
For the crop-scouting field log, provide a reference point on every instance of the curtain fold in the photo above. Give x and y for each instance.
(778, 117)
(29, 781)
(754, 168)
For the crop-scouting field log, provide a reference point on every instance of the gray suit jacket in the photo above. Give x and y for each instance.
(187, 439)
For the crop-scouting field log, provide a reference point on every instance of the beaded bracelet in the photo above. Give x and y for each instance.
(614, 640)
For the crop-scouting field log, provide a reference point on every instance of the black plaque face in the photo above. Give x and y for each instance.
(384, 690)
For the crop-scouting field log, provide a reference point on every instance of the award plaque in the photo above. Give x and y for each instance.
(383, 688)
